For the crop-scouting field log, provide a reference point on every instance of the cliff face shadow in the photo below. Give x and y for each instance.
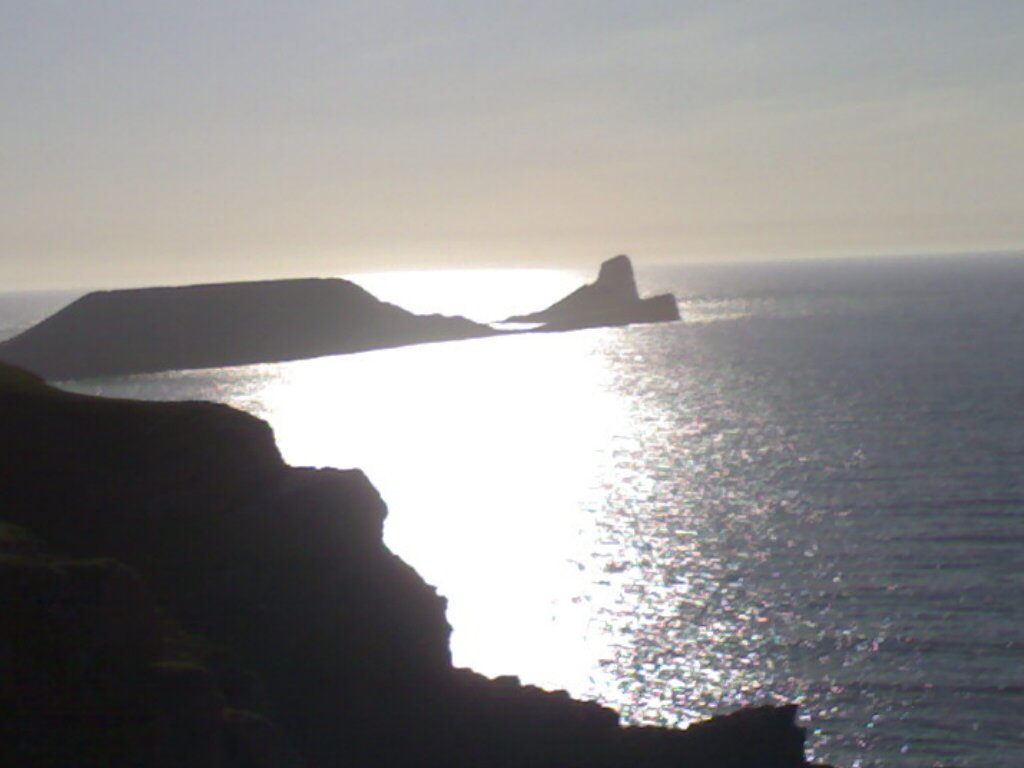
(175, 594)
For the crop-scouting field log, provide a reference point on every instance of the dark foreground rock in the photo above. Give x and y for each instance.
(112, 333)
(613, 299)
(95, 674)
(173, 594)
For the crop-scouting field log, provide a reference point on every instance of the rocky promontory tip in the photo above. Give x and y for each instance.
(174, 594)
(613, 299)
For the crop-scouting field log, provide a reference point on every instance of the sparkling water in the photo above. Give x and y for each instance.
(810, 490)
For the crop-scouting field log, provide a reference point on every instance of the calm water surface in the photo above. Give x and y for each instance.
(812, 490)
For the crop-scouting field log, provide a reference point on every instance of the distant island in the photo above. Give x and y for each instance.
(147, 330)
(174, 594)
(612, 300)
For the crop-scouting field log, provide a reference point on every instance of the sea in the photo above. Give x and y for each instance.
(811, 490)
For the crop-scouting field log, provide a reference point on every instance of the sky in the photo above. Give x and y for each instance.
(173, 142)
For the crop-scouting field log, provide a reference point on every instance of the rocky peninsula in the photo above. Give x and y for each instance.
(147, 330)
(174, 594)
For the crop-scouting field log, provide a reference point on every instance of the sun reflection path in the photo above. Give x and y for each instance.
(572, 508)
(576, 497)
(490, 455)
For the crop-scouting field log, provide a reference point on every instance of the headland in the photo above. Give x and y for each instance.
(175, 594)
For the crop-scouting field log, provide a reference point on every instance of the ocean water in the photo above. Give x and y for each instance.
(812, 490)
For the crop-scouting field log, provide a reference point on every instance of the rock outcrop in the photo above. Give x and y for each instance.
(613, 299)
(195, 601)
(112, 333)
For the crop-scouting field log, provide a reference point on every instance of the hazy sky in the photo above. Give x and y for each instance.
(152, 141)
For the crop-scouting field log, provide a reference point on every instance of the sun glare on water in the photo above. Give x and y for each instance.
(512, 470)
(483, 462)
(484, 295)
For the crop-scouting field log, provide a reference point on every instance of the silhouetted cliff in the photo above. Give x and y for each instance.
(110, 333)
(246, 613)
(612, 299)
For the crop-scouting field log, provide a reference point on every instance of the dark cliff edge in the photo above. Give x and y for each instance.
(613, 299)
(145, 330)
(173, 594)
